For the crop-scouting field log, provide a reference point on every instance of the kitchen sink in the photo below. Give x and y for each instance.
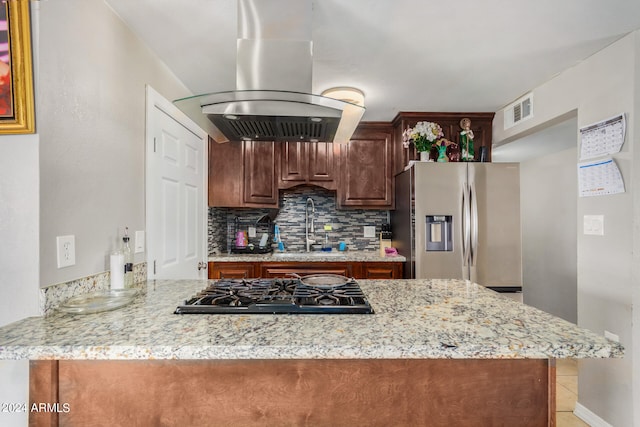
(319, 254)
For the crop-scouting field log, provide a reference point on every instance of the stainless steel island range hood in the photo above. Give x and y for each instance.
(273, 99)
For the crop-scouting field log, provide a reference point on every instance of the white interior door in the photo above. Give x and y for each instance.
(176, 183)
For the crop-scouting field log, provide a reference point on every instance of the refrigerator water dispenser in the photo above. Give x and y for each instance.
(439, 233)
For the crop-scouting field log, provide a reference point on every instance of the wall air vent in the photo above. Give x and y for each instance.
(518, 111)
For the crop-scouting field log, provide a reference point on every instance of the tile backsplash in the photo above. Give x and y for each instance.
(347, 224)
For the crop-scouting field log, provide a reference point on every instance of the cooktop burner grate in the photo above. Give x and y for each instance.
(229, 296)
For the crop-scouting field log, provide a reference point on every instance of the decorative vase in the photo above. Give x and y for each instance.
(424, 156)
(442, 154)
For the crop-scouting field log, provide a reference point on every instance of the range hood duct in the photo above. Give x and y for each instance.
(273, 99)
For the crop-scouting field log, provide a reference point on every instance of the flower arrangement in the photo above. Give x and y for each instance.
(423, 135)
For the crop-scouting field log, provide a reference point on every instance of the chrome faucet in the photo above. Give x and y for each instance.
(308, 225)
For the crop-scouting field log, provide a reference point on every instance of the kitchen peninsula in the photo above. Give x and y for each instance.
(435, 351)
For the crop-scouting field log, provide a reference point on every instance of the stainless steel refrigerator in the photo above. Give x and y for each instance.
(460, 221)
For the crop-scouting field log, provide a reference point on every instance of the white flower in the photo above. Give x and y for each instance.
(422, 135)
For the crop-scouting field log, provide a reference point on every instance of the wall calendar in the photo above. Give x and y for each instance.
(602, 138)
(599, 178)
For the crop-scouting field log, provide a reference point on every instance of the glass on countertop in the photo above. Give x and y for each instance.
(99, 301)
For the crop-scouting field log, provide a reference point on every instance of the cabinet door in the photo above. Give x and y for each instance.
(307, 163)
(225, 174)
(366, 179)
(381, 270)
(303, 269)
(231, 270)
(260, 176)
(293, 164)
(321, 169)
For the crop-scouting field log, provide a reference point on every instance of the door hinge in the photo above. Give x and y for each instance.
(155, 147)
(154, 267)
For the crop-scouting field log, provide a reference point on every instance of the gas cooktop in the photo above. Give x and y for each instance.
(244, 296)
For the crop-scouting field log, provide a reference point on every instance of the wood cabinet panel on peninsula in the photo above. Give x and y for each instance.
(279, 392)
(366, 168)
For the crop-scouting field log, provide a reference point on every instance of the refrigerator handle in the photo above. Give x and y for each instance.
(466, 219)
(474, 224)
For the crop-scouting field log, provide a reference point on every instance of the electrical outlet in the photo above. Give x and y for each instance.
(611, 336)
(369, 231)
(66, 250)
(139, 242)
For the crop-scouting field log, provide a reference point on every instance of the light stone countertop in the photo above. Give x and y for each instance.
(317, 256)
(413, 319)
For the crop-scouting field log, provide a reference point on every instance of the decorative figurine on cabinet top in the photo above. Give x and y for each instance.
(466, 141)
(447, 151)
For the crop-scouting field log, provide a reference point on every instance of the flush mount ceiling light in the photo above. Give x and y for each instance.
(351, 113)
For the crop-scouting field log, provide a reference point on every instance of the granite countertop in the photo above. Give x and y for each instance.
(318, 256)
(413, 319)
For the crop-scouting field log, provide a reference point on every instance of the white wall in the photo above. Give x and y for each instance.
(83, 172)
(18, 256)
(18, 227)
(548, 195)
(601, 86)
(93, 72)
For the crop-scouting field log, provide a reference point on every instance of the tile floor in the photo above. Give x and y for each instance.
(567, 393)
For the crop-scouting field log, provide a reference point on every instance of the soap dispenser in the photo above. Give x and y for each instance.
(326, 246)
(128, 259)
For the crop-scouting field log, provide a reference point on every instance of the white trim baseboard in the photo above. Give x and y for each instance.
(589, 417)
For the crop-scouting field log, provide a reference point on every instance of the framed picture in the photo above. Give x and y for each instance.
(16, 75)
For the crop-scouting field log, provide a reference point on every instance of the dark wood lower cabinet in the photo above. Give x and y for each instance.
(357, 270)
(319, 392)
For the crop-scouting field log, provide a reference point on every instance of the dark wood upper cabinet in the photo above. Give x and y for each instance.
(481, 125)
(366, 168)
(243, 174)
(260, 173)
(307, 163)
(226, 182)
(250, 173)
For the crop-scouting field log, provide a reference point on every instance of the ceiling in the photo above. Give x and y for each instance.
(405, 55)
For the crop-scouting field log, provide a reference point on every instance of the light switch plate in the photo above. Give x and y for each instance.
(593, 225)
(139, 242)
(369, 231)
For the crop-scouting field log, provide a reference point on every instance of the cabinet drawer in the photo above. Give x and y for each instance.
(304, 269)
(381, 270)
(231, 270)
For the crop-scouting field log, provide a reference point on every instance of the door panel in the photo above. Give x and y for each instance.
(176, 187)
(169, 214)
